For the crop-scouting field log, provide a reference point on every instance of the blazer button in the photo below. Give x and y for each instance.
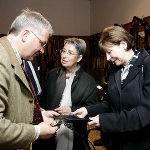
(31, 100)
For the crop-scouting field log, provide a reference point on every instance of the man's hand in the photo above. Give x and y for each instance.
(95, 121)
(81, 112)
(48, 116)
(63, 109)
(46, 131)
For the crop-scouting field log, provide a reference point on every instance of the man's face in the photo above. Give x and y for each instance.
(34, 44)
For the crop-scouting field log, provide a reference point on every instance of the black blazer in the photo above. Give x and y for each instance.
(125, 115)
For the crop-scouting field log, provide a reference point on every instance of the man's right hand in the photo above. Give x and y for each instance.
(46, 130)
(81, 112)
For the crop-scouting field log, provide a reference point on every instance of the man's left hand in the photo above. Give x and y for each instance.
(49, 115)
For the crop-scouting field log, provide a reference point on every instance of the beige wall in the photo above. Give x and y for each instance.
(76, 17)
(107, 12)
(68, 17)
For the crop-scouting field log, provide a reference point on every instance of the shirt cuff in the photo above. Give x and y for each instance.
(37, 132)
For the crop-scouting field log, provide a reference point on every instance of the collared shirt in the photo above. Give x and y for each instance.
(15, 50)
(126, 69)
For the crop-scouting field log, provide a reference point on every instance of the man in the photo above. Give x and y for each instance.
(21, 121)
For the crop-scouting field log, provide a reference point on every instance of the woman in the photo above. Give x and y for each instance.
(125, 114)
(67, 89)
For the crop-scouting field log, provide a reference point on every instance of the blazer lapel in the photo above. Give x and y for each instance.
(134, 71)
(118, 80)
(20, 74)
(135, 68)
(14, 62)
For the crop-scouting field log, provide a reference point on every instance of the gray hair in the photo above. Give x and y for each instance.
(79, 44)
(30, 19)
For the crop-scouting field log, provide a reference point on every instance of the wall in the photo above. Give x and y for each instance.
(68, 17)
(76, 17)
(107, 12)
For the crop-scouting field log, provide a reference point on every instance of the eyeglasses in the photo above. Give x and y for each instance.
(43, 44)
(70, 53)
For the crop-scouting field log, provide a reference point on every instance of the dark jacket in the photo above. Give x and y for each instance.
(125, 116)
(83, 93)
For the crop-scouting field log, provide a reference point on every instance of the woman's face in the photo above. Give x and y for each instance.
(69, 56)
(117, 54)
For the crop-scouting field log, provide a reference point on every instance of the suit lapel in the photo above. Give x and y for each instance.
(133, 72)
(20, 74)
(135, 68)
(14, 62)
(118, 80)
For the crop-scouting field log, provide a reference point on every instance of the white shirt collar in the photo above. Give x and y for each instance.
(15, 50)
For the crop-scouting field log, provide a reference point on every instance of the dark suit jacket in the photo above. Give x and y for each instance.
(126, 113)
(16, 102)
(83, 93)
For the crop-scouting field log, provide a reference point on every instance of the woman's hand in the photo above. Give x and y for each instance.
(81, 112)
(95, 121)
(63, 109)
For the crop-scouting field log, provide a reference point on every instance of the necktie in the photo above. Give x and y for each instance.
(29, 72)
(37, 118)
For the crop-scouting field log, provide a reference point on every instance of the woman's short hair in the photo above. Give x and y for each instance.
(79, 44)
(30, 19)
(114, 35)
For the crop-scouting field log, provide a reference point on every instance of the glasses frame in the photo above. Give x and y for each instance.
(62, 51)
(43, 44)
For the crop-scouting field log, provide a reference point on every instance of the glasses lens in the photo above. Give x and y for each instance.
(61, 51)
(44, 45)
